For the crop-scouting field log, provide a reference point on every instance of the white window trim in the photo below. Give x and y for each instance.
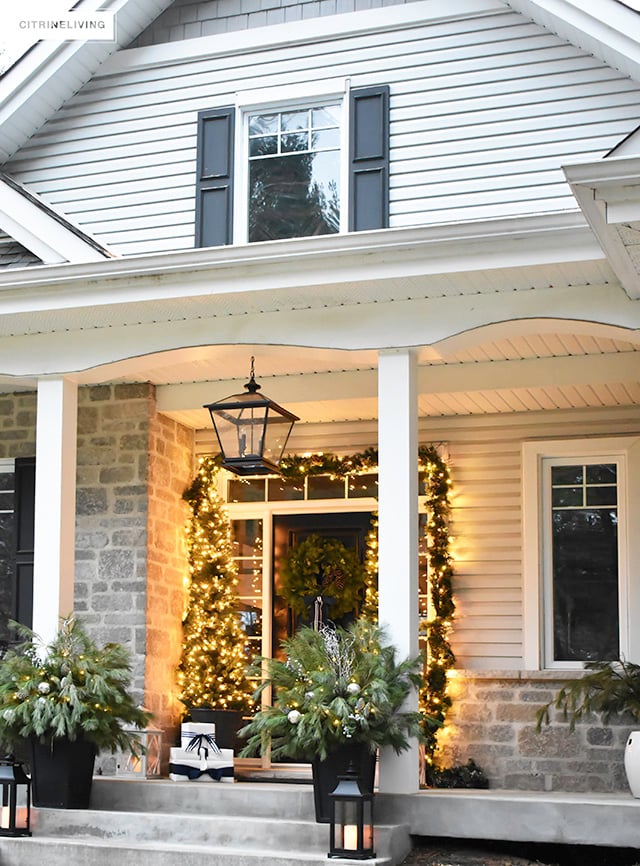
(626, 450)
(279, 99)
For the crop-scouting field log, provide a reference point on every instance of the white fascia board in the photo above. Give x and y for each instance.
(335, 259)
(39, 231)
(603, 28)
(592, 183)
(51, 72)
(297, 32)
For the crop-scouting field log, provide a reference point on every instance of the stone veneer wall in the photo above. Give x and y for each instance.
(18, 424)
(170, 471)
(492, 720)
(133, 466)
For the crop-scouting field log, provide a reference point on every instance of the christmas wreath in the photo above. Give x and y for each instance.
(322, 567)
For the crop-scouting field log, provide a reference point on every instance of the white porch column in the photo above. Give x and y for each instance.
(55, 506)
(398, 534)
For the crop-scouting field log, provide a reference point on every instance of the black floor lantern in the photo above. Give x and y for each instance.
(15, 817)
(252, 430)
(351, 826)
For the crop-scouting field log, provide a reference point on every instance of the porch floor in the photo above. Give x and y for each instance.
(517, 816)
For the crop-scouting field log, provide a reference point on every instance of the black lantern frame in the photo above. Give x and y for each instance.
(351, 825)
(15, 814)
(252, 430)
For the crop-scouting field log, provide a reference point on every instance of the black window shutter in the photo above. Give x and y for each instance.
(25, 493)
(369, 158)
(214, 184)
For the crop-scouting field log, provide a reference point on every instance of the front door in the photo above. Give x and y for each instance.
(289, 531)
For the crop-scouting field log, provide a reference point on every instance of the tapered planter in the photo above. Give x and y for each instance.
(326, 773)
(62, 773)
(632, 762)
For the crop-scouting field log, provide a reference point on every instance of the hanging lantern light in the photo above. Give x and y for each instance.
(252, 430)
(351, 824)
(15, 816)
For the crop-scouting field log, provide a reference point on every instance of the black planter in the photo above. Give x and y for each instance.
(325, 775)
(227, 722)
(62, 773)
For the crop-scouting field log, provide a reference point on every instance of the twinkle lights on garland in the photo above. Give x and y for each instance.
(212, 670)
(435, 484)
(209, 528)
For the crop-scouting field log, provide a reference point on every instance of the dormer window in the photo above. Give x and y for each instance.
(312, 168)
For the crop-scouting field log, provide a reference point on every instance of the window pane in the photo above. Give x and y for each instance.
(294, 196)
(561, 497)
(248, 490)
(247, 537)
(602, 495)
(295, 141)
(602, 473)
(585, 562)
(263, 145)
(259, 124)
(295, 120)
(326, 138)
(567, 474)
(363, 485)
(282, 489)
(329, 115)
(325, 487)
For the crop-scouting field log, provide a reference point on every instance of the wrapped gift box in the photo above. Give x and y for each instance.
(204, 765)
(193, 735)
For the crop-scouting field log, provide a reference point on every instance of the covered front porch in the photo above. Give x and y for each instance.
(375, 341)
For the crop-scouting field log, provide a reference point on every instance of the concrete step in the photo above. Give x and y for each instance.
(82, 852)
(255, 799)
(164, 823)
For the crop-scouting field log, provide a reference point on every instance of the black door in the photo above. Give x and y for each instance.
(349, 528)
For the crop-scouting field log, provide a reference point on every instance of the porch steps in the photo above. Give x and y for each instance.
(163, 823)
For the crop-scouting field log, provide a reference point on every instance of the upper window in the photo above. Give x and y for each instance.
(294, 173)
(301, 173)
(580, 534)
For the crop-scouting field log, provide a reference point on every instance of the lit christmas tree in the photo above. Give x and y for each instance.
(212, 670)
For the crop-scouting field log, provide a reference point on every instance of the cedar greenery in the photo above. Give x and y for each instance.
(68, 688)
(335, 686)
(610, 689)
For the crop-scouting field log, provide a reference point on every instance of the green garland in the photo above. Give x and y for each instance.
(320, 566)
(435, 484)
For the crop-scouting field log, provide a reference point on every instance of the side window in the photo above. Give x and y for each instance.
(582, 581)
(580, 543)
(294, 166)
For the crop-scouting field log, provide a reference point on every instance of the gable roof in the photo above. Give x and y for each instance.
(38, 228)
(50, 72)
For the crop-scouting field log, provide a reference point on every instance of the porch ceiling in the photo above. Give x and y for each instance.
(461, 376)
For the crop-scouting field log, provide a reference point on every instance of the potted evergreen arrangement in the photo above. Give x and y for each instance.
(67, 700)
(608, 689)
(338, 697)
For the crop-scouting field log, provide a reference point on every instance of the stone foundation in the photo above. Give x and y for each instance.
(493, 721)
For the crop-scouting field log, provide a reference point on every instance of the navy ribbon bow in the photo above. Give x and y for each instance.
(201, 741)
(215, 773)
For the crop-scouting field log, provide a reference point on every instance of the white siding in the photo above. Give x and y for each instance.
(483, 113)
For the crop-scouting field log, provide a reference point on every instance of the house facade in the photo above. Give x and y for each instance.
(423, 223)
